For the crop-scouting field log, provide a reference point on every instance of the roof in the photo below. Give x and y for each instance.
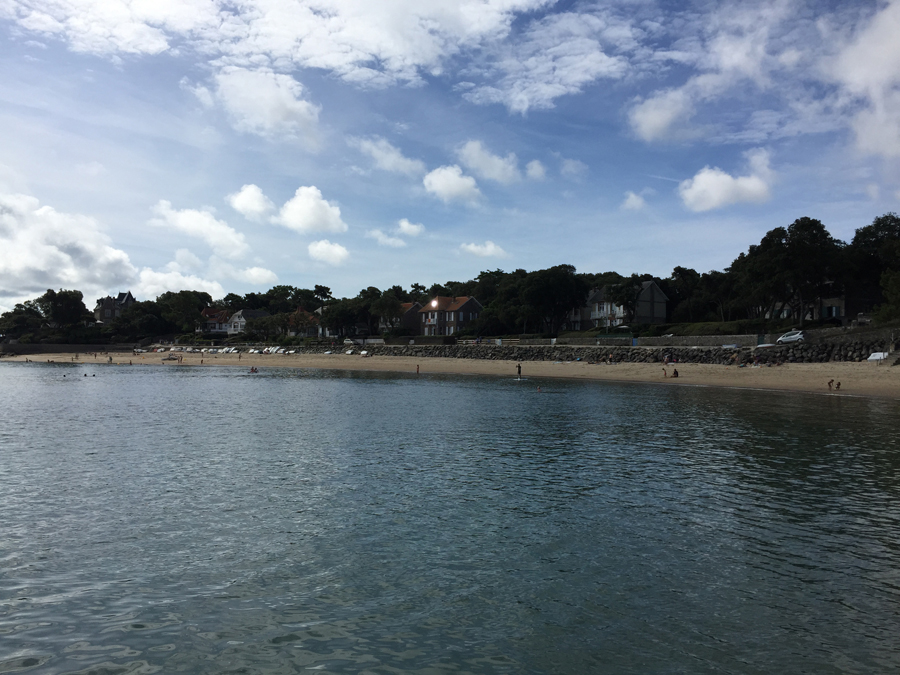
(444, 303)
(407, 306)
(651, 284)
(248, 314)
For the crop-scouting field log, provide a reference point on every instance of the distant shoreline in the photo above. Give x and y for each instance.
(857, 379)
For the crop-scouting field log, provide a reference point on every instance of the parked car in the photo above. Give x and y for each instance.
(792, 336)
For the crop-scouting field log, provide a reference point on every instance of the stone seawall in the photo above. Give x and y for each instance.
(799, 353)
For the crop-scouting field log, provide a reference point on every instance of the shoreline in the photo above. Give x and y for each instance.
(858, 379)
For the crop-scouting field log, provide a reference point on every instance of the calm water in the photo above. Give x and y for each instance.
(178, 520)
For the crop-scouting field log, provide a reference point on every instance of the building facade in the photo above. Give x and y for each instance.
(109, 308)
(444, 315)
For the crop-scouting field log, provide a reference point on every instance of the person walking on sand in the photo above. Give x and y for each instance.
(665, 374)
(830, 383)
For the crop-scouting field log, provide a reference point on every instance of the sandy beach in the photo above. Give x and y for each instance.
(857, 379)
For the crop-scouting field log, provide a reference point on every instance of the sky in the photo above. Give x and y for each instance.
(157, 145)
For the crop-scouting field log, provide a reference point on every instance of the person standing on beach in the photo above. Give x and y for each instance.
(519, 370)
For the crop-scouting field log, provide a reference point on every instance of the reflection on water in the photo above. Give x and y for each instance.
(207, 521)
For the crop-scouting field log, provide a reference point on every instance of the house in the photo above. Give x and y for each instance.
(110, 308)
(651, 305)
(443, 315)
(226, 322)
(604, 312)
(214, 320)
(304, 324)
(237, 322)
(409, 318)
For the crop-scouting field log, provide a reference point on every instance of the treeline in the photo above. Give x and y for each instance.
(792, 268)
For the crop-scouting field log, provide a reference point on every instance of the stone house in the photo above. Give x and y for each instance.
(109, 308)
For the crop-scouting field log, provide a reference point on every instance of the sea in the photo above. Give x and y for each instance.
(209, 520)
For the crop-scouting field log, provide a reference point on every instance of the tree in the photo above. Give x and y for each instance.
(625, 294)
(182, 309)
(389, 308)
(64, 308)
(553, 293)
(24, 319)
(140, 320)
(341, 316)
(323, 293)
(682, 289)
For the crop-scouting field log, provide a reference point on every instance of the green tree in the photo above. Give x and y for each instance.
(553, 293)
(182, 309)
(64, 308)
(389, 308)
(22, 320)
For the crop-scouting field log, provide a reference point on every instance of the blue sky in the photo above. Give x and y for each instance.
(157, 145)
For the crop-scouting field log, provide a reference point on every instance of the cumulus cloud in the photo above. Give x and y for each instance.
(258, 276)
(654, 118)
(712, 188)
(868, 68)
(387, 157)
(250, 202)
(267, 104)
(486, 250)
(308, 211)
(409, 229)
(385, 239)
(535, 170)
(325, 251)
(221, 238)
(633, 202)
(557, 55)
(480, 161)
(152, 283)
(43, 248)
(448, 183)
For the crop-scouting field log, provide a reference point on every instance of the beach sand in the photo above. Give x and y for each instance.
(857, 379)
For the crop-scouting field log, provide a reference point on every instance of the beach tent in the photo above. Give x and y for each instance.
(878, 356)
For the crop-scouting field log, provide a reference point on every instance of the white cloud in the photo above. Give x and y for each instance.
(633, 202)
(655, 118)
(325, 251)
(712, 188)
(307, 211)
(266, 103)
(222, 238)
(486, 250)
(475, 157)
(409, 229)
(385, 240)
(151, 283)
(250, 202)
(557, 55)
(188, 264)
(258, 276)
(387, 157)
(535, 170)
(185, 260)
(573, 168)
(449, 184)
(42, 248)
